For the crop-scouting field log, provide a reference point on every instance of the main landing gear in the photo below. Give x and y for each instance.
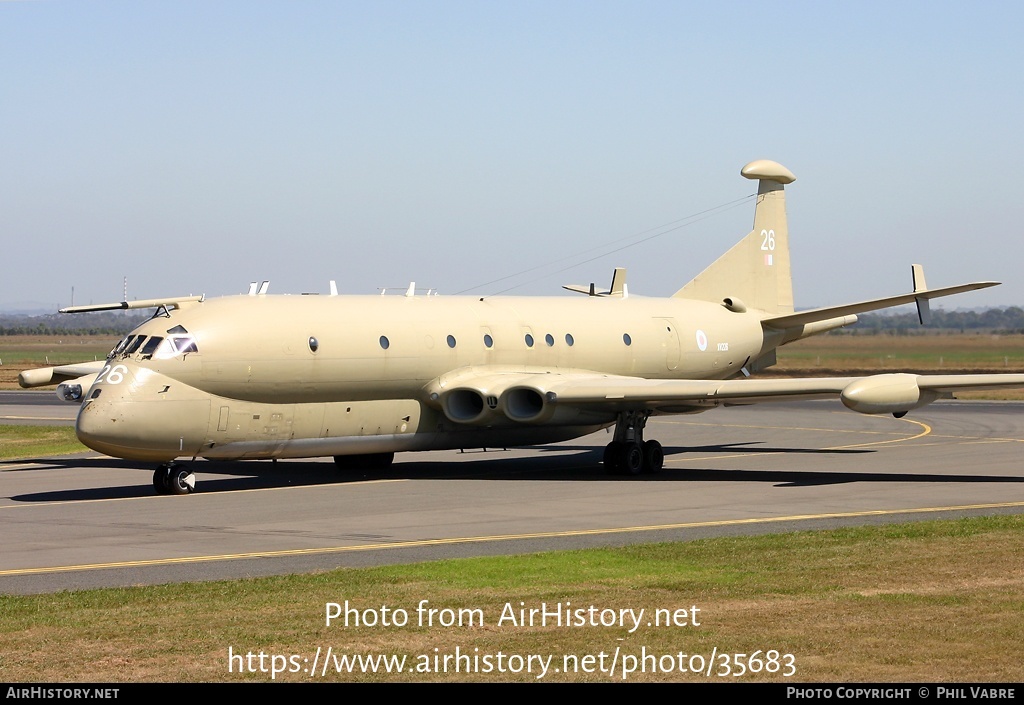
(172, 478)
(629, 453)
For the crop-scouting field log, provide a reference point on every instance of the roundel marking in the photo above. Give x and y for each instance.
(702, 340)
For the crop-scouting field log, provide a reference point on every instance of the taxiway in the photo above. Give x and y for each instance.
(92, 521)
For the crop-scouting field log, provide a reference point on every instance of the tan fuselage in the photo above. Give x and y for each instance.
(305, 376)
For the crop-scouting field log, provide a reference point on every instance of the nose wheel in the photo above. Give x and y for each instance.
(172, 478)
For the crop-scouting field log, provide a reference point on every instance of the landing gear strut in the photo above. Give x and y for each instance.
(172, 478)
(629, 453)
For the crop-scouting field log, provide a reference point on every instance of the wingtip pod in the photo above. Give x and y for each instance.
(894, 393)
(766, 169)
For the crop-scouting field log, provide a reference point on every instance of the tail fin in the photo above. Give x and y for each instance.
(756, 270)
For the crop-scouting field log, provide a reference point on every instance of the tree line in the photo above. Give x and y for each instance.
(994, 320)
(114, 323)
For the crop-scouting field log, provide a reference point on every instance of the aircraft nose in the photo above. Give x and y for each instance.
(141, 420)
(95, 426)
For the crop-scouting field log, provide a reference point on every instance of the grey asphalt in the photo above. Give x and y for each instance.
(35, 408)
(70, 523)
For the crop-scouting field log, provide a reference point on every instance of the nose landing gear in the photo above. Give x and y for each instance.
(172, 478)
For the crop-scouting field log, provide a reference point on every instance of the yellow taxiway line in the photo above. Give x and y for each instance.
(499, 537)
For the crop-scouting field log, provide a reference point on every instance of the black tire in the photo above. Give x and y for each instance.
(613, 458)
(160, 479)
(178, 480)
(654, 457)
(632, 459)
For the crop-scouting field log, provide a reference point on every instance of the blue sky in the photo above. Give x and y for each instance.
(193, 147)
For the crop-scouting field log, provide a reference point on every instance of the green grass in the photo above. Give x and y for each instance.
(998, 353)
(37, 441)
(929, 601)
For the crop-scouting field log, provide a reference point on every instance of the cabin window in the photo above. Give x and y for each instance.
(569, 339)
(626, 339)
(314, 344)
(384, 342)
(451, 341)
(488, 341)
(529, 340)
(549, 339)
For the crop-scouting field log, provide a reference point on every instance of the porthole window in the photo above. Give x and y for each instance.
(529, 340)
(313, 344)
(549, 339)
(384, 342)
(451, 341)
(626, 339)
(569, 339)
(488, 341)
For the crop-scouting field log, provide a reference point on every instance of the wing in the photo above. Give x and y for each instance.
(875, 394)
(42, 376)
(481, 396)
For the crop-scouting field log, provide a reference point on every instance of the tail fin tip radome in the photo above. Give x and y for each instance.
(756, 269)
(766, 169)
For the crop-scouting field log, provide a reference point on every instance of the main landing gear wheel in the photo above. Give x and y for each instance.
(654, 457)
(629, 453)
(623, 458)
(171, 478)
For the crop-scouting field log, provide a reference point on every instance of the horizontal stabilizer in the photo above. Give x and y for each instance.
(800, 318)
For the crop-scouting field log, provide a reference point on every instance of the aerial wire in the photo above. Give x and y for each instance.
(658, 231)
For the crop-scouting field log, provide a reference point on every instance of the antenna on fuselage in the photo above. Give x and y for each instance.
(334, 288)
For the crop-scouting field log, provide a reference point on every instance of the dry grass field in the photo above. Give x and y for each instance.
(843, 355)
(22, 352)
(924, 602)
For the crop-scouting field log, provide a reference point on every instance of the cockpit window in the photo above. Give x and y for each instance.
(177, 330)
(151, 345)
(117, 349)
(176, 345)
(134, 345)
(184, 344)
